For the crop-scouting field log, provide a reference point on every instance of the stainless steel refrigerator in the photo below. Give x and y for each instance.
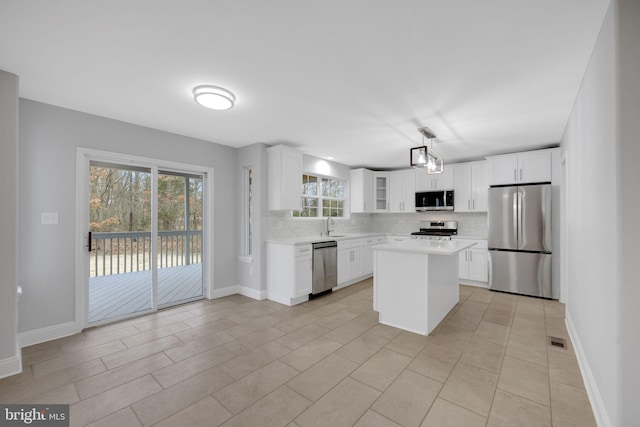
(520, 239)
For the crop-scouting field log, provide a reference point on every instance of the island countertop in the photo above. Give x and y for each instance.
(420, 246)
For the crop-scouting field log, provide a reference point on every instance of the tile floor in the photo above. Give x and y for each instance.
(239, 362)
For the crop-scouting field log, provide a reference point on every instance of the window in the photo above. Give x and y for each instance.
(321, 197)
(248, 211)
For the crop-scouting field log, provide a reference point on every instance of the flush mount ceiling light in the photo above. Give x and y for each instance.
(425, 159)
(214, 97)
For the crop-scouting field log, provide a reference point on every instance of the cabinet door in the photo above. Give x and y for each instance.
(503, 170)
(478, 264)
(285, 178)
(479, 187)
(444, 180)
(355, 266)
(423, 181)
(409, 184)
(304, 276)
(396, 191)
(381, 192)
(534, 167)
(463, 264)
(462, 191)
(344, 260)
(361, 194)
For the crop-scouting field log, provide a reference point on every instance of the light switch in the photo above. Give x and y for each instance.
(49, 218)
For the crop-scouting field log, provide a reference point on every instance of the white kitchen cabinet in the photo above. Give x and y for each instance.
(381, 191)
(284, 165)
(471, 191)
(520, 168)
(289, 272)
(436, 181)
(402, 191)
(361, 194)
(367, 253)
(304, 276)
(350, 264)
(473, 263)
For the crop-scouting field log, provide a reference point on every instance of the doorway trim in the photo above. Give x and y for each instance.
(83, 157)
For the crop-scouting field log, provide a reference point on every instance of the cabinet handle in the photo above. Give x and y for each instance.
(520, 174)
(470, 256)
(468, 204)
(473, 204)
(466, 256)
(515, 177)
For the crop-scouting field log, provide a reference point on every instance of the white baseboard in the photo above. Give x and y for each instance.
(475, 283)
(10, 366)
(597, 404)
(49, 333)
(240, 290)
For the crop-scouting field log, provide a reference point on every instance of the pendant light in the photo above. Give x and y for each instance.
(424, 158)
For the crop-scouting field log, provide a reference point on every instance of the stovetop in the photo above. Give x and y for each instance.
(437, 228)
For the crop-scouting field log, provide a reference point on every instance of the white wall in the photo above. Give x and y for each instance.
(48, 140)
(601, 148)
(9, 356)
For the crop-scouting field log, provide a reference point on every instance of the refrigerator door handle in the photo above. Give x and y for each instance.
(515, 215)
(520, 212)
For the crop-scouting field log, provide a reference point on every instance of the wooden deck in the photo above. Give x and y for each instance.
(120, 294)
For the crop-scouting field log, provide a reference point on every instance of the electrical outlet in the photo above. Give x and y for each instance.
(49, 218)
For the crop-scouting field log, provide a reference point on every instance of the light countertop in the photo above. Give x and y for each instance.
(305, 240)
(417, 246)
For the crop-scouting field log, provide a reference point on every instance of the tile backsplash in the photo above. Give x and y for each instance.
(282, 225)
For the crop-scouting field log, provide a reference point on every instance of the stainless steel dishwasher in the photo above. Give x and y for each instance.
(325, 266)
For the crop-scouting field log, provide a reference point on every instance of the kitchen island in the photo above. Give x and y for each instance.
(415, 282)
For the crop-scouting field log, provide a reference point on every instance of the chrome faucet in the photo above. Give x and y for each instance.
(330, 222)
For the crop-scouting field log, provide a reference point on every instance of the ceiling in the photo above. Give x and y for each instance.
(348, 79)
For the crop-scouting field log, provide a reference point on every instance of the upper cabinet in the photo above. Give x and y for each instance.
(361, 194)
(436, 181)
(520, 168)
(285, 178)
(402, 191)
(380, 191)
(471, 190)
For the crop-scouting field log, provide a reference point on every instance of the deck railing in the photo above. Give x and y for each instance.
(126, 252)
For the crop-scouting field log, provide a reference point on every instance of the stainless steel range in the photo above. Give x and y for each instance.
(436, 230)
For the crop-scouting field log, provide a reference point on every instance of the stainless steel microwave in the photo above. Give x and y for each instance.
(434, 201)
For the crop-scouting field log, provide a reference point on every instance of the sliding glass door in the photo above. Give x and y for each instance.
(180, 214)
(145, 240)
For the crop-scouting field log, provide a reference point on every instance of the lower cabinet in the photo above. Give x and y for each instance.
(304, 275)
(474, 262)
(355, 259)
(289, 272)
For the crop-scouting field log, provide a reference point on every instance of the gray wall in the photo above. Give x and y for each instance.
(49, 137)
(602, 156)
(8, 213)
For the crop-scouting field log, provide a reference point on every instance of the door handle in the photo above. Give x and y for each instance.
(515, 216)
(89, 248)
